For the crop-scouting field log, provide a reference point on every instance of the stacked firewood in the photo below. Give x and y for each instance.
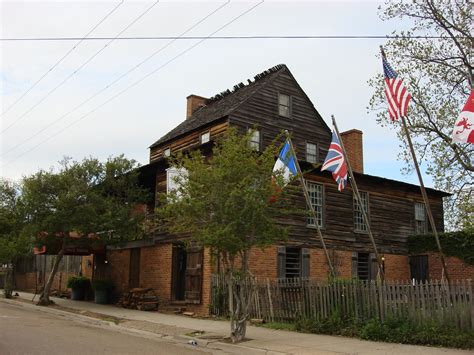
(143, 299)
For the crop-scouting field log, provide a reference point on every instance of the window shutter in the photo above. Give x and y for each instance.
(354, 264)
(374, 267)
(281, 262)
(305, 253)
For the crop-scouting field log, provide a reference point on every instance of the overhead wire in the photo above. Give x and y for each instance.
(136, 82)
(80, 67)
(81, 39)
(154, 38)
(106, 87)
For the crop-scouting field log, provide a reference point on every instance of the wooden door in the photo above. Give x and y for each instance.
(193, 275)
(134, 272)
(419, 267)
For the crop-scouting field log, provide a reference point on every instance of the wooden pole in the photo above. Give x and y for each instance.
(359, 200)
(423, 190)
(308, 202)
(425, 199)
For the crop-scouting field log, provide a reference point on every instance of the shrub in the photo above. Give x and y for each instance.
(77, 282)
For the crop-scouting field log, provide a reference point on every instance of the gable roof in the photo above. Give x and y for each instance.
(221, 105)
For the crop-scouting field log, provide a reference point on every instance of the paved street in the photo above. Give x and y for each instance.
(25, 332)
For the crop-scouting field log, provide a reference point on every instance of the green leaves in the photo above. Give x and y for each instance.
(438, 73)
(225, 201)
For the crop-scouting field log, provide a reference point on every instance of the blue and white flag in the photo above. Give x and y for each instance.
(286, 162)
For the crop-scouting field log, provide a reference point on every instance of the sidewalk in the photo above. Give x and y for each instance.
(261, 340)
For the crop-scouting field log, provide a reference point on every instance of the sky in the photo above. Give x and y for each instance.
(95, 103)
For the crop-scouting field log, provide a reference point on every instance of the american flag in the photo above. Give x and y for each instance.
(397, 95)
(335, 163)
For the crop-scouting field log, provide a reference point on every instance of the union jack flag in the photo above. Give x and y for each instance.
(397, 95)
(336, 163)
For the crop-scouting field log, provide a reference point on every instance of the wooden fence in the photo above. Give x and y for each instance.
(286, 300)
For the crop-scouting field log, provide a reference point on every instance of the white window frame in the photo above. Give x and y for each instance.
(316, 196)
(255, 139)
(205, 137)
(284, 109)
(167, 152)
(421, 226)
(359, 223)
(310, 156)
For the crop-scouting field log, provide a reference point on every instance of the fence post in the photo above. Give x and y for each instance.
(270, 303)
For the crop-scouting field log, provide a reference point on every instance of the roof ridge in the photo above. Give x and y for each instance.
(241, 85)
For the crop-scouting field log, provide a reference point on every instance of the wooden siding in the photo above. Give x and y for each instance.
(391, 215)
(305, 123)
(189, 141)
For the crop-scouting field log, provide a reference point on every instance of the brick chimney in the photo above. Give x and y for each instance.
(193, 103)
(352, 141)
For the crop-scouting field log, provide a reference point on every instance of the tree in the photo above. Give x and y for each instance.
(227, 203)
(438, 73)
(88, 199)
(14, 243)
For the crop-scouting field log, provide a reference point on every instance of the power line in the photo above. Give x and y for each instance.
(62, 58)
(136, 82)
(80, 67)
(19, 144)
(154, 38)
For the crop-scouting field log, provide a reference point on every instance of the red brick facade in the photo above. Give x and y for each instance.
(457, 269)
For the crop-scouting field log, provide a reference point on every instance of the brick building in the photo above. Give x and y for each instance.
(273, 102)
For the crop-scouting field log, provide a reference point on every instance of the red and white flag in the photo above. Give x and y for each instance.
(464, 127)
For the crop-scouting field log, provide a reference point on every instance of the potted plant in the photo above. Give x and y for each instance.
(78, 285)
(101, 290)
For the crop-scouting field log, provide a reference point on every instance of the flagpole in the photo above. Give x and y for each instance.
(359, 199)
(423, 190)
(311, 207)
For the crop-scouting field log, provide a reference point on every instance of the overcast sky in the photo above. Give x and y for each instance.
(333, 72)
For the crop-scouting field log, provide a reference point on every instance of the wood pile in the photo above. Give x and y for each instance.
(143, 299)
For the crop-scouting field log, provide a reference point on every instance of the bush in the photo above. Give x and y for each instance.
(102, 285)
(399, 330)
(77, 282)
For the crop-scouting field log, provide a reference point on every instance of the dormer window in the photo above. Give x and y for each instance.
(205, 137)
(255, 139)
(284, 105)
(167, 152)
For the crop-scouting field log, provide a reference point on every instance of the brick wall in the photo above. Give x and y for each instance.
(263, 262)
(396, 267)
(457, 269)
(117, 268)
(155, 270)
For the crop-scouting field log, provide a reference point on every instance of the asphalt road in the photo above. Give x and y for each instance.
(24, 331)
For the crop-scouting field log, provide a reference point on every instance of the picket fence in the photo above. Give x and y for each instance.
(285, 300)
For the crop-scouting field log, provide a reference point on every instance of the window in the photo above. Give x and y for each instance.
(255, 139)
(174, 177)
(364, 266)
(420, 218)
(205, 137)
(359, 223)
(167, 152)
(293, 262)
(316, 196)
(311, 153)
(284, 108)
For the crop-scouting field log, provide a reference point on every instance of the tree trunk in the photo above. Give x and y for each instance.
(8, 283)
(44, 297)
(241, 291)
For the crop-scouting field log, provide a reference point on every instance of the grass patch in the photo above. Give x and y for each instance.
(393, 330)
